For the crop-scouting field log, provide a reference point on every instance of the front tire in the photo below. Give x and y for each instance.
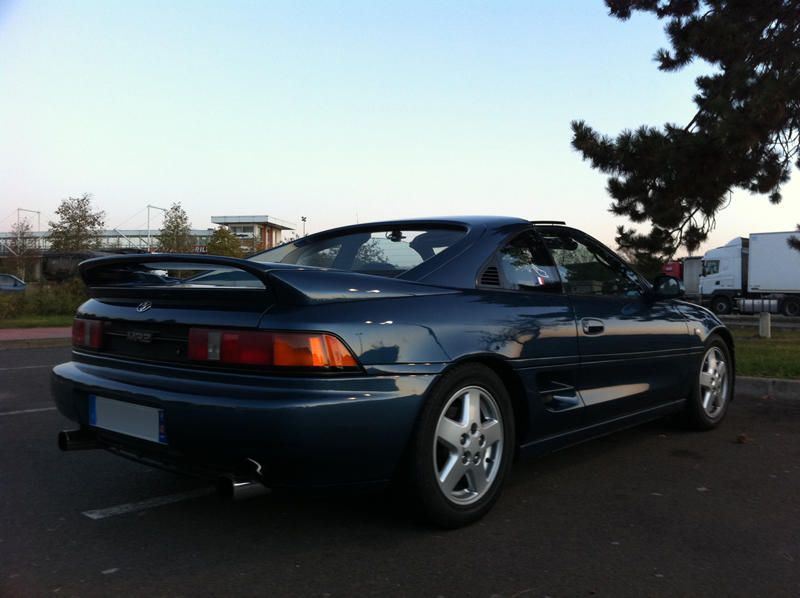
(721, 305)
(713, 387)
(463, 447)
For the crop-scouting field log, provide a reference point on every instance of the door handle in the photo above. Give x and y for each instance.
(592, 326)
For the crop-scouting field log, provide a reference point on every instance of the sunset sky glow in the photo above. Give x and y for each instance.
(331, 110)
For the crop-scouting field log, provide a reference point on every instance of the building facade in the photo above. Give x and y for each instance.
(256, 232)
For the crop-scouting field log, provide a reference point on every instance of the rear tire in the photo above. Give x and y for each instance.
(791, 307)
(721, 305)
(463, 446)
(713, 386)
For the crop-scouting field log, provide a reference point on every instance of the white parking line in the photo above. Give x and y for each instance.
(24, 367)
(20, 411)
(148, 503)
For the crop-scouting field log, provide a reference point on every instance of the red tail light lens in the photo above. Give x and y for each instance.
(274, 349)
(87, 333)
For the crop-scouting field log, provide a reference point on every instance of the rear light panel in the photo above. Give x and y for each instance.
(87, 333)
(271, 349)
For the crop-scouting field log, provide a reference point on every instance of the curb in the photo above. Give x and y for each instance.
(772, 388)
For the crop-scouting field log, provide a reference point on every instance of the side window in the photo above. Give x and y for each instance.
(386, 254)
(527, 266)
(588, 268)
(319, 257)
(710, 267)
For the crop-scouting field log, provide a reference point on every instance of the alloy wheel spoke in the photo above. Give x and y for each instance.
(477, 479)
(451, 473)
(472, 407)
(707, 396)
(705, 379)
(449, 433)
(493, 432)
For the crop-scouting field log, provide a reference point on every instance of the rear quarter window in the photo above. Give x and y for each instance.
(383, 252)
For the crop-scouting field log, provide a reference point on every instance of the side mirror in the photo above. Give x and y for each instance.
(667, 287)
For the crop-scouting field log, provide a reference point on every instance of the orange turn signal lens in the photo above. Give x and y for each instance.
(278, 349)
(310, 350)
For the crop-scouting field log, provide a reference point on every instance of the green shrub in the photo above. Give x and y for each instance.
(11, 305)
(46, 300)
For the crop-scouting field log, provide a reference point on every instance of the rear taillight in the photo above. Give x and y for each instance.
(87, 333)
(272, 349)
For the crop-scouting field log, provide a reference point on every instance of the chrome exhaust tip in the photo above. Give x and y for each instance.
(240, 489)
(77, 440)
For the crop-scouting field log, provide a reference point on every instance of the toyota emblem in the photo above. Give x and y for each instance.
(144, 306)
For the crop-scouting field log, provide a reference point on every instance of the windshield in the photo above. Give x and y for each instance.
(383, 252)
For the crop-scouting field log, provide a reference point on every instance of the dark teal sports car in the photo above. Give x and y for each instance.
(430, 352)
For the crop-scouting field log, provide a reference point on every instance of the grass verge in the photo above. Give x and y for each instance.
(776, 357)
(36, 321)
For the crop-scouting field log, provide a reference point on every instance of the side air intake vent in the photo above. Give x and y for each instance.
(490, 277)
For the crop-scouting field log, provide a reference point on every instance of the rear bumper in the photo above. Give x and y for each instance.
(302, 431)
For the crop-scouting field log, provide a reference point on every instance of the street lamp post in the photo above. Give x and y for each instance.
(149, 207)
(303, 218)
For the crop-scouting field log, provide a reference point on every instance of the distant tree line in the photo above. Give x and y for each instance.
(78, 226)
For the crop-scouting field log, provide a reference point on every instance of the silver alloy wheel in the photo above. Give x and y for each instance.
(714, 382)
(468, 445)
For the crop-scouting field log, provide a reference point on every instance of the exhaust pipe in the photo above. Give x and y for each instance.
(77, 440)
(240, 489)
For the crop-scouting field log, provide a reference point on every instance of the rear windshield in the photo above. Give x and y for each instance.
(384, 252)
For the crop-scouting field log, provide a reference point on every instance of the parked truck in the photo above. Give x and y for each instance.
(751, 275)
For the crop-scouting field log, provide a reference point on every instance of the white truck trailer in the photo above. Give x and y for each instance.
(755, 274)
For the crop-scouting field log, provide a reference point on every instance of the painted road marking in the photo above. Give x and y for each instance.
(20, 411)
(25, 367)
(149, 503)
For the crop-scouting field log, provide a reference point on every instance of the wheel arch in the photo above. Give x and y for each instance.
(510, 380)
(512, 383)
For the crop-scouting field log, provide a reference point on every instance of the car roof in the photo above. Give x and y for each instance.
(469, 221)
(462, 260)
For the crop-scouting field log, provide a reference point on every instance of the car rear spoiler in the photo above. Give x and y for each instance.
(289, 284)
(142, 269)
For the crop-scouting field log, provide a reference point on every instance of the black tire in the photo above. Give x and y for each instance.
(430, 456)
(791, 307)
(721, 305)
(710, 397)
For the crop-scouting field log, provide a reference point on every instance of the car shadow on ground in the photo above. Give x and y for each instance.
(606, 460)
(390, 509)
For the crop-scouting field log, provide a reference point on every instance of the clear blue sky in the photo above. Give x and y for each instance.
(330, 109)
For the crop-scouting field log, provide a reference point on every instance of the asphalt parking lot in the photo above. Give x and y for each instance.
(651, 511)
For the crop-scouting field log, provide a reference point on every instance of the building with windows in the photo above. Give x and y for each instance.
(256, 232)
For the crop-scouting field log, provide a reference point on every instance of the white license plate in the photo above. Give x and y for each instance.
(130, 419)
